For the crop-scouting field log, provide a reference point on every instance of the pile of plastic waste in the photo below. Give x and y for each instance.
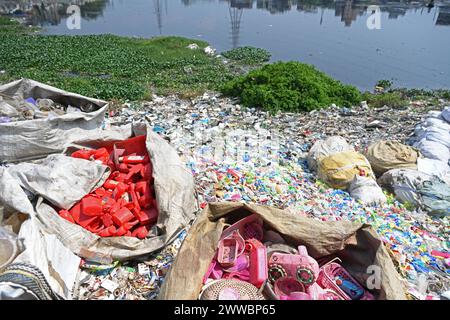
(248, 155)
(133, 280)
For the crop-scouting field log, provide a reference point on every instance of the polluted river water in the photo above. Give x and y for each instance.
(406, 42)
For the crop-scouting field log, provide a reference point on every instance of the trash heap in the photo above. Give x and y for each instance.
(125, 205)
(133, 280)
(278, 175)
(18, 109)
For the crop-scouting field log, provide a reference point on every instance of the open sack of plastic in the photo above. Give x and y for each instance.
(118, 196)
(37, 120)
(247, 252)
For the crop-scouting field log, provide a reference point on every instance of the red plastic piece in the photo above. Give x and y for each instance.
(123, 168)
(134, 198)
(134, 159)
(122, 216)
(107, 203)
(134, 145)
(101, 153)
(140, 232)
(105, 233)
(107, 220)
(118, 176)
(148, 216)
(83, 154)
(100, 192)
(258, 262)
(66, 215)
(125, 204)
(111, 184)
(121, 231)
(147, 172)
(145, 195)
(131, 224)
(96, 226)
(112, 230)
(91, 206)
(135, 169)
(120, 189)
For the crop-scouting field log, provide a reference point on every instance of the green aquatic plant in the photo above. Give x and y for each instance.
(112, 67)
(248, 55)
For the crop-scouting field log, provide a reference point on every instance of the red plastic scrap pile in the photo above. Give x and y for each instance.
(125, 205)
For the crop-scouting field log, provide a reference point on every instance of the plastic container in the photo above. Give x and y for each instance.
(258, 262)
(228, 252)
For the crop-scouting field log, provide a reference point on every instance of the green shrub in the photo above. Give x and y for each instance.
(391, 99)
(290, 86)
(248, 55)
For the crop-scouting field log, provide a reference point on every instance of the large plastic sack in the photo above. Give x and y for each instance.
(435, 167)
(433, 150)
(6, 110)
(33, 139)
(386, 155)
(42, 258)
(435, 196)
(427, 192)
(446, 114)
(437, 123)
(325, 148)
(434, 114)
(367, 191)
(358, 246)
(339, 169)
(61, 181)
(403, 183)
(436, 134)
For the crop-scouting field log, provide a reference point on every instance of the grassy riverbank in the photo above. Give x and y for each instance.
(122, 68)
